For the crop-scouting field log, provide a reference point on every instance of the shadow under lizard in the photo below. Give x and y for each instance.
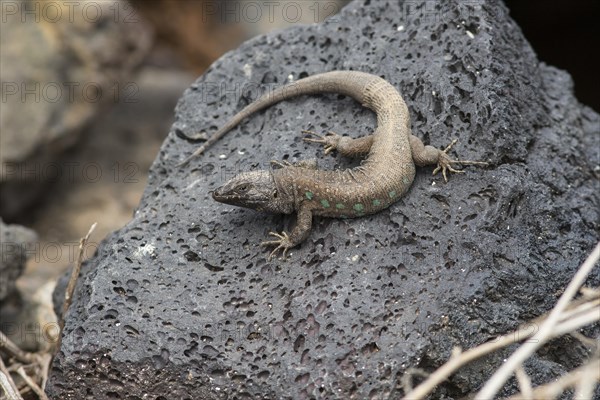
(382, 178)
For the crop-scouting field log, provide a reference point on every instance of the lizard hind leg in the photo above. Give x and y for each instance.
(345, 145)
(444, 163)
(329, 141)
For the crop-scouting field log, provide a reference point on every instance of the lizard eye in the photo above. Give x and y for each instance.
(242, 188)
(275, 194)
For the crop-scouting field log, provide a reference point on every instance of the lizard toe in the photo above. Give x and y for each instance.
(268, 243)
(312, 133)
(329, 149)
(280, 164)
(447, 149)
(282, 243)
(445, 165)
(329, 140)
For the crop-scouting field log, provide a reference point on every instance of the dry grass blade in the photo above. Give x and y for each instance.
(36, 365)
(588, 342)
(8, 389)
(590, 377)
(74, 277)
(497, 380)
(13, 350)
(458, 359)
(7, 383)
(42, 361)
(554, 389)
(568, 326)
(45, 363)
(32, 384)
(576, 314)
(524, 383)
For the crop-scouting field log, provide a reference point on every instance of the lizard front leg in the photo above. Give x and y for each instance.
(300, 232)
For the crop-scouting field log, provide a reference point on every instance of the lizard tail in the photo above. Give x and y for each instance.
(351, 83)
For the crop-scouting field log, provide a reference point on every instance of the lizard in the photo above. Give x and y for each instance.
(381, 179)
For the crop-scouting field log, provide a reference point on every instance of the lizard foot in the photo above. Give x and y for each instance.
(329, 141)
(445, 162)
(283, 243)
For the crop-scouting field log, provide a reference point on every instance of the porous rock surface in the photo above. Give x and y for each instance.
(181, 303)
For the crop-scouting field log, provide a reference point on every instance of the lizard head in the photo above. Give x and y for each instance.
(254, 189)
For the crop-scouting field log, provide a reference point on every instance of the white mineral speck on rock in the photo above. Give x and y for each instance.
(145, 250)
(248, 70)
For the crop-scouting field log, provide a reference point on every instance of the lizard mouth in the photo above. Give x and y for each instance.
(222, 197)
(237, 200)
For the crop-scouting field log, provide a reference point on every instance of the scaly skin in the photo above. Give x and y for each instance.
(383, 177)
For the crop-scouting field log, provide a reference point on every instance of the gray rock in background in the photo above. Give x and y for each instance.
(16, 244)
(62, 63)
(181, 303)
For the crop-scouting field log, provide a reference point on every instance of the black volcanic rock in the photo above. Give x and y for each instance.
(182, 304)
(17, 243)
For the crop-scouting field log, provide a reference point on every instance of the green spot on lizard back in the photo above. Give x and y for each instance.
(392, 194)
(358, 207)
(376, 203)
(325, 203)
(309, 195)
(340, 206)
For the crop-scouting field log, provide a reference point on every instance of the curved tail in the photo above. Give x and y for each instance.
(350, 83)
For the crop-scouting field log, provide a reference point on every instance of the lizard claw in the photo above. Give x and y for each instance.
(283, 243)
(281, 164)
(444, 165)
(328, 141)
(445, 162)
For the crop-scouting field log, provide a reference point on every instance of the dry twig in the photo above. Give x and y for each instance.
(524, 383)
(73, 279)
(554, 389)
(13, 350)
(36, 364)
(7, 383)
(576, 314)
(542, 336)
(32, 384)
